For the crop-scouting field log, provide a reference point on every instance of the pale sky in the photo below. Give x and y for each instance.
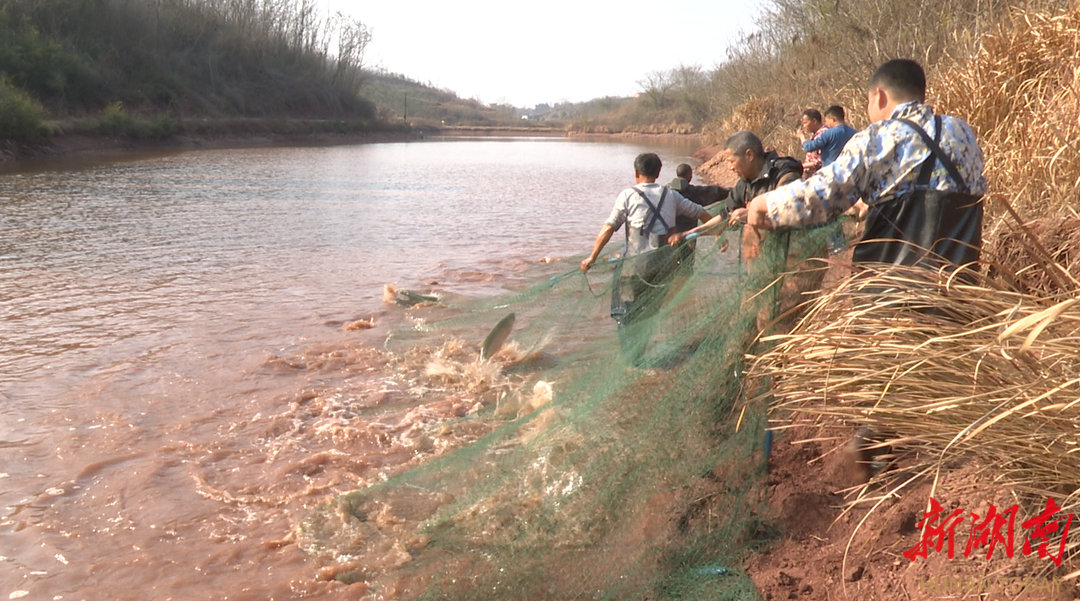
(548, 51)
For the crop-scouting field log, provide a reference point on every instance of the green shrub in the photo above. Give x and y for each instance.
(20, 115)
(115, 121)
(30, 61)
(162, 126)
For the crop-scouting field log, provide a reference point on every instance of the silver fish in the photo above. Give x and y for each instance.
(497, 337)
(406, 298)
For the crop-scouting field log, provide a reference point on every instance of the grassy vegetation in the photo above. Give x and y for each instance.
(141, 68)
(20, 116)
(677, 101)
(1021, 92)
(1007, 68)
(807, 53)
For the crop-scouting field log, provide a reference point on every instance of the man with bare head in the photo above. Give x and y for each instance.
(759, 172)
(701, 195)
(810, 128)
(646, 212)
(921, 176)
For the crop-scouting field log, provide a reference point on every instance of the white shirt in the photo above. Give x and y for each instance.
(630, 208)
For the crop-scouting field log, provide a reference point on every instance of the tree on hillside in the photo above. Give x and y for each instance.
(656, 86)
(691, 90)
(352, 42)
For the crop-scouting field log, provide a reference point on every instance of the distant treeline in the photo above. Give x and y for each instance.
(678, 101)
(171, 59)
(668, 110)
(400, 99)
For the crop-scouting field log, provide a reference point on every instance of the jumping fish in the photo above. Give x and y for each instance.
(406, 298)
(497, 337)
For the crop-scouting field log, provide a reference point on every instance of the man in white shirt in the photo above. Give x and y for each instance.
(648, 211)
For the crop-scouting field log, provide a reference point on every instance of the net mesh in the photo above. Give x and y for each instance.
(587, 473)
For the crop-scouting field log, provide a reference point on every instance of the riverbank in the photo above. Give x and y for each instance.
(634, 136)
(713, 170)
(825, 548)
(550, 132)
(265, 134)
(68, 144)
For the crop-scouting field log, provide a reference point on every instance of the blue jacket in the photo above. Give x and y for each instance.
(830, 143)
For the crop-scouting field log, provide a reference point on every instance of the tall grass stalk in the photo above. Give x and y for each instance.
(1021, 92)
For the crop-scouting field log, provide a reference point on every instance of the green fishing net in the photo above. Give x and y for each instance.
(587, 472)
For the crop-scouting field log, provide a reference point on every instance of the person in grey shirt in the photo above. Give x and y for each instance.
(648, 210)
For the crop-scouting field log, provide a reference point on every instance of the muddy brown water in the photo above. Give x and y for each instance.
(177, 385)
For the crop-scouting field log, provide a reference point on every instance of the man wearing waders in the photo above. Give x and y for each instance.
(921, 176)
(641, 279)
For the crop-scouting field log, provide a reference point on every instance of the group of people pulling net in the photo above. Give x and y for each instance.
(639, 471)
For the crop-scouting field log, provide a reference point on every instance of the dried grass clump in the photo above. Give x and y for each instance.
(1021, 93)
(1041, 257)
(763, 115)
(660, 129)
(947, 371)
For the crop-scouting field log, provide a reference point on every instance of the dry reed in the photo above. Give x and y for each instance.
(986, 370)
(759, 114)
(1039, 257)
(948, 372)
(1021, 93)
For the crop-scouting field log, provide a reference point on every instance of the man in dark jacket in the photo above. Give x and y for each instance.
(759, 172)
(701, 195)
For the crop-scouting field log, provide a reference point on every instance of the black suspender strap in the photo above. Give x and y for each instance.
(654, 209)
(936, 151)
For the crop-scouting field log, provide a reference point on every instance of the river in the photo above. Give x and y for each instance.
(172, 321)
